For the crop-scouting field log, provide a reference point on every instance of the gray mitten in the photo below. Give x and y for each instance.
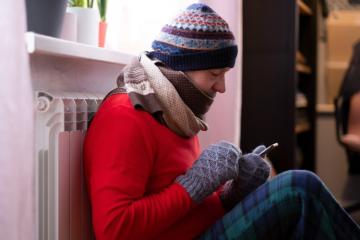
(253, 172)
(216, 165)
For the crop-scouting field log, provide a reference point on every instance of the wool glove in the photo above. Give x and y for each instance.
(216, 165)
(253, 172)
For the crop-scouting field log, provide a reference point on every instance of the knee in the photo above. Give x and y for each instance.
(306, 181)
(305, 175)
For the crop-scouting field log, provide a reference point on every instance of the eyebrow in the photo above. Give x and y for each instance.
(219, 71)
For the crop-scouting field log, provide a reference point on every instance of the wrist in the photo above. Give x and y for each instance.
(194, 187)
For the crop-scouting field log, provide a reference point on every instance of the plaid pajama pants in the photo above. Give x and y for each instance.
(293, 205)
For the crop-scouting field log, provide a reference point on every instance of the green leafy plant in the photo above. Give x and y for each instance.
(102, 5)
(81, 3)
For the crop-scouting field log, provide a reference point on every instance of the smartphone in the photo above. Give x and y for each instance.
(268, 149)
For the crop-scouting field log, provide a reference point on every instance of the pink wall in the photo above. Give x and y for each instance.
(224, 116)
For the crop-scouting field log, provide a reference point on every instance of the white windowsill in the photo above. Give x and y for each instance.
(41, 44)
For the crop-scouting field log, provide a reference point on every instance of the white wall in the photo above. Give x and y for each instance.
(17, 217)
(224, 116)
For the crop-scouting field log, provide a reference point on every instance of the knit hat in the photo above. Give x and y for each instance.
(197, 39)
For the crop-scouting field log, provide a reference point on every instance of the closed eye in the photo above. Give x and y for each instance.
(216, 74)
(219, 72)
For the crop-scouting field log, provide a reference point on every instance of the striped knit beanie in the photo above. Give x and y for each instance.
(197, 39)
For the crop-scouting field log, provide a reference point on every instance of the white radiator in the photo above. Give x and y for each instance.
(61, 123)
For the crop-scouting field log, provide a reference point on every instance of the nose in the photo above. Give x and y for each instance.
(219, 85)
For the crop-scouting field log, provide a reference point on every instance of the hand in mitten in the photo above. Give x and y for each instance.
(253, 172)
(216, 165)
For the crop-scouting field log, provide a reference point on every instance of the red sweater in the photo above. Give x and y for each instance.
(131, 162)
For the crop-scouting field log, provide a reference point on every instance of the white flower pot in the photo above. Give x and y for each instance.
(69, 28)
(87, 24)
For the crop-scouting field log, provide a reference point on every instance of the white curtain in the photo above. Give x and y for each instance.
(134, 24)
(17, 217)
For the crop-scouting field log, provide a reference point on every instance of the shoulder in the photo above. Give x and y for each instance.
(117, 116)
(117, 123)
(118, 107)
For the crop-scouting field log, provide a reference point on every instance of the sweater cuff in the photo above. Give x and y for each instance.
(182, 189)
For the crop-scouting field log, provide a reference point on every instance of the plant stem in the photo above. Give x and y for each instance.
(90, 3)
(77, 3)
(102, 5)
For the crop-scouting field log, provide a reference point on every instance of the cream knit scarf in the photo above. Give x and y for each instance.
(145, 81)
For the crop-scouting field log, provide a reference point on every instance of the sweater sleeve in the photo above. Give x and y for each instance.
(119, 156)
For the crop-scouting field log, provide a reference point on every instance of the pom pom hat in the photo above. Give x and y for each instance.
(197, 39)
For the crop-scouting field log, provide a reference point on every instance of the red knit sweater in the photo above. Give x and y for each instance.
(131, 162)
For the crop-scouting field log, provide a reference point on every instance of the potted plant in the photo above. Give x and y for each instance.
(44, 17)
(102, 5)
(87, 21)
(81, 3)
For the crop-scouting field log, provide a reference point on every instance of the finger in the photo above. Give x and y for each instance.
(259, 149)
(227, 144)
